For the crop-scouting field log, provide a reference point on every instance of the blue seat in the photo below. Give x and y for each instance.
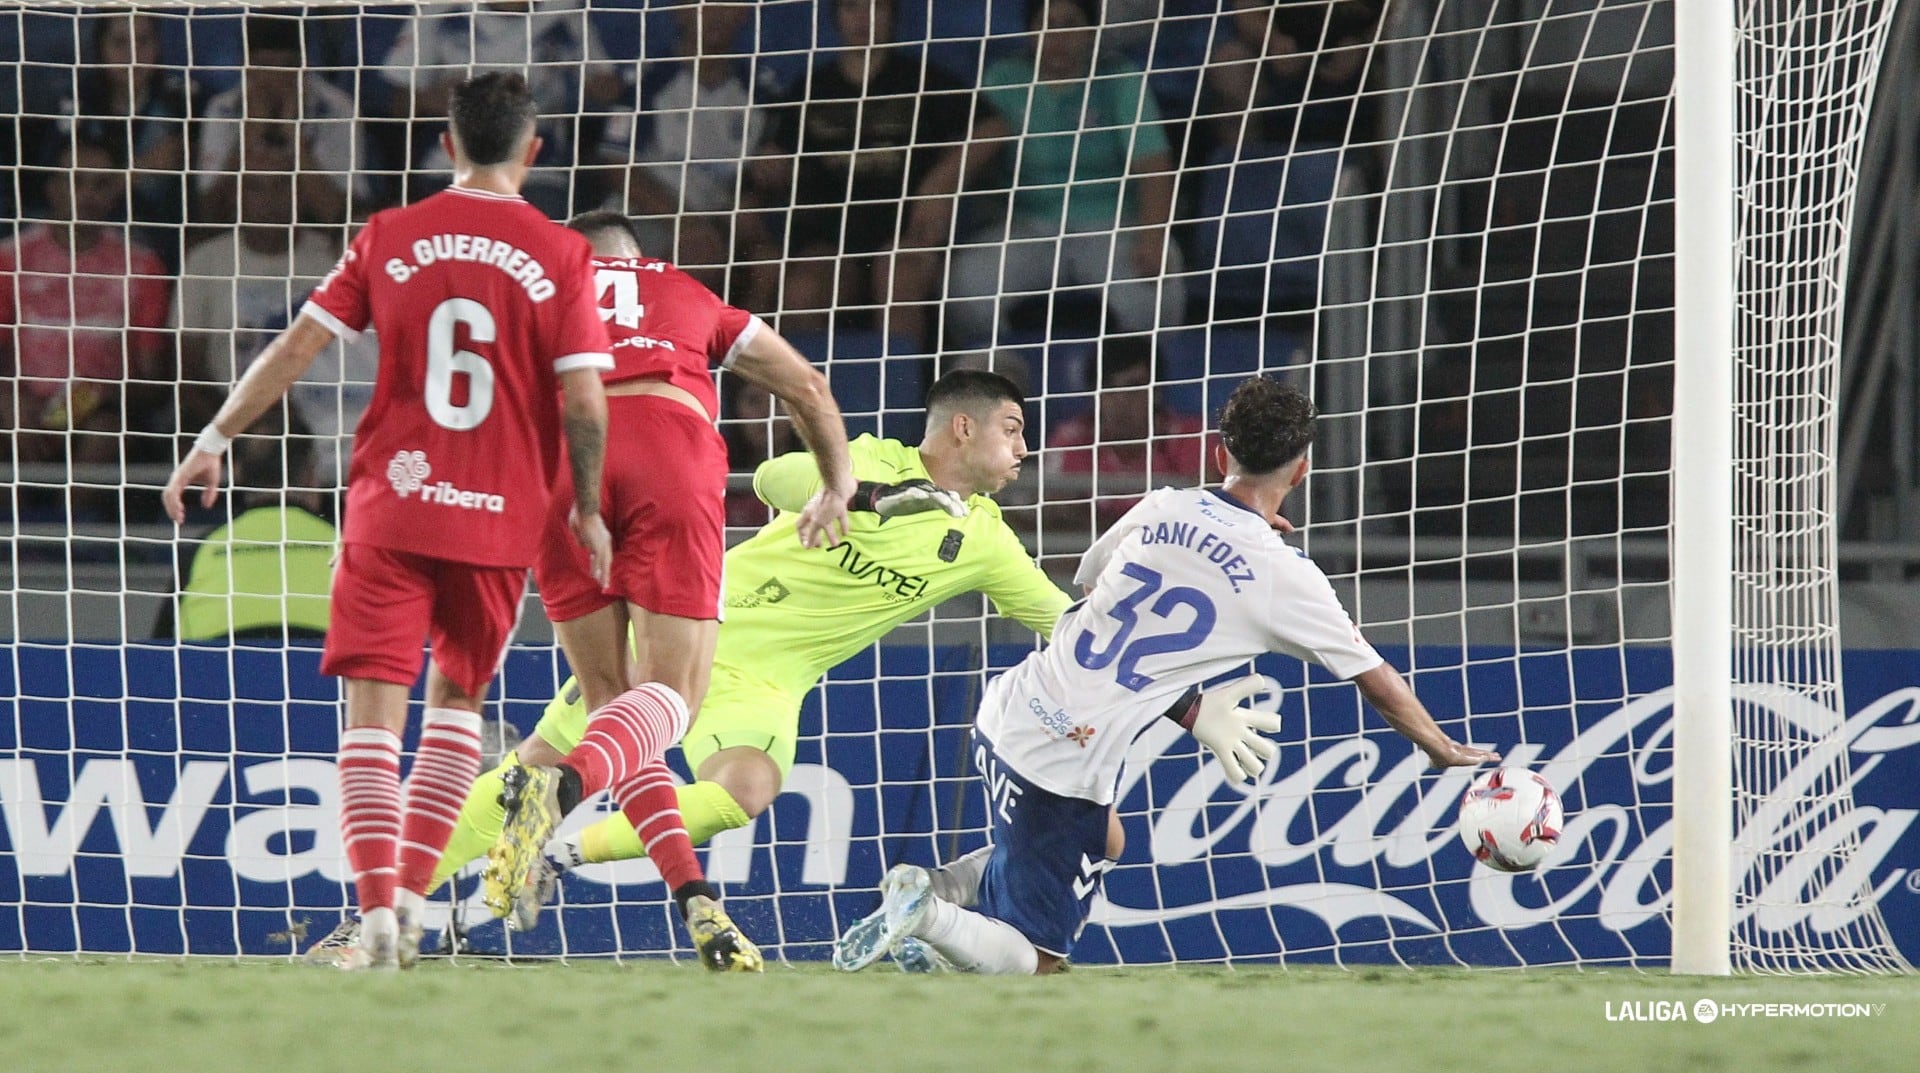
(1275, 205)
(1199, 367)
(879, 383)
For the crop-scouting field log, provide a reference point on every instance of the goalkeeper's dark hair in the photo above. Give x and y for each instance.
(492, 115)
(971, 391)
(603, 224)
(1266, 424)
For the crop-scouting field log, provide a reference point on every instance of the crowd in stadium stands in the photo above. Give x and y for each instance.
(1130, 443)
(837, 174)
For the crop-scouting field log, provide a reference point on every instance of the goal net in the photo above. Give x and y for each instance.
(1452, 222)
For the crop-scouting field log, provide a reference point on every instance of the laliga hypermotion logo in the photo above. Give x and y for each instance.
(408, 471)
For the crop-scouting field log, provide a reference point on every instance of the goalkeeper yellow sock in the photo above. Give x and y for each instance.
(478, 826)
(706, 807)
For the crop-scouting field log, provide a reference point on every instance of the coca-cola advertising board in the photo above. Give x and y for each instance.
(184, 801)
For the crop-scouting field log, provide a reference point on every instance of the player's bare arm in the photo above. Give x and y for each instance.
(584, 421)
(284, 361)
(771, 362)
(1389, 693)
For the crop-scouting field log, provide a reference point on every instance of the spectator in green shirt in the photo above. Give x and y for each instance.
(1092, 187)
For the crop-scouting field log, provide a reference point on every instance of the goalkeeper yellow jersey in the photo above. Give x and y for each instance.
(792, 612)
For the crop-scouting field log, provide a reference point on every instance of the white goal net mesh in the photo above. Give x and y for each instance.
(1806, 78)
(1451, 221)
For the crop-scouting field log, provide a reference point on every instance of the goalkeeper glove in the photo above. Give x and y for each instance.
(907, 497)
(1231, 732)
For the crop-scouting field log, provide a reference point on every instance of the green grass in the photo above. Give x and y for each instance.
(588, 1018)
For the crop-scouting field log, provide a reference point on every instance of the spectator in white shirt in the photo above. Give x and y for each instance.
(240, 288)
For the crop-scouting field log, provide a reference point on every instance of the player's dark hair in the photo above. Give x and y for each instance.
(491, 115)
(1266, 424)
(605, 222)
(971, 390)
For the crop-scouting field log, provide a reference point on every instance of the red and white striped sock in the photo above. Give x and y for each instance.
(652, 804)
(443, 772)
(626, 734)
(370, 811)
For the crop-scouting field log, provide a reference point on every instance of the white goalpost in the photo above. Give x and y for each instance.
(1566, 279)
(1702, 498)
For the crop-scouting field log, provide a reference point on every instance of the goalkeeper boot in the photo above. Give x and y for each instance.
(532, 798)
(918, 956)
(332, 947)
(721, 946)
(905, 895)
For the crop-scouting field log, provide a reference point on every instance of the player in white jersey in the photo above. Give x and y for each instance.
(1188, 586)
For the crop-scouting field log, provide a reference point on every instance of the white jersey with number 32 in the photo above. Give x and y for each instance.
(1189, 585)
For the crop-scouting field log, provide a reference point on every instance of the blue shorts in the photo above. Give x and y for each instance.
(1049, 853)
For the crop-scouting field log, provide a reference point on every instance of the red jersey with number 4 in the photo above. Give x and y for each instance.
(666, 325)
(479, 302)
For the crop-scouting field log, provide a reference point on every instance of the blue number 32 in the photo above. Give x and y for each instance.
(1129, 650)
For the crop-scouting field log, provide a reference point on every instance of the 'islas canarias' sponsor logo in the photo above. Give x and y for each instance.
(1059, 725)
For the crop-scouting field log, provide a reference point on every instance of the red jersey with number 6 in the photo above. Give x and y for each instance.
(666, 325)
(479, 302)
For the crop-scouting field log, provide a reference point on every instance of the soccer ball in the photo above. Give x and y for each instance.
(1510, 819)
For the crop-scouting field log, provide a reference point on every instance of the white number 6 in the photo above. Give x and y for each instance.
(443, 362)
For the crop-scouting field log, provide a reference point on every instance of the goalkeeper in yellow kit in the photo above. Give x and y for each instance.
(923, 529)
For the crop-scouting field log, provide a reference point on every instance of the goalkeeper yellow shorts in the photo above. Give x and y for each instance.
(740, 711)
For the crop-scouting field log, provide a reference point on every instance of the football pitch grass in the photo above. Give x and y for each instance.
(200, 1016)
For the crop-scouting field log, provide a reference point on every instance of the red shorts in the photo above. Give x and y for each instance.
(664, 499)
(385, 602)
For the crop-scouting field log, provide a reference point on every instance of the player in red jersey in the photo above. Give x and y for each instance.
(491, 351)
(668, 332)
(665, 499)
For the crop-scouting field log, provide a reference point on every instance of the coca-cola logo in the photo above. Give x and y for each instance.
(1342, 856)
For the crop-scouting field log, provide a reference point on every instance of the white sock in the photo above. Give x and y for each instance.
(378, 930)
(958, 882)
(409, 906)
(976, 943)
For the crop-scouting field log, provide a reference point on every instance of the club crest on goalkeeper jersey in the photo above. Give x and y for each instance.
(479, 302)
(666, 325)
(1188, 586)
(792, 612)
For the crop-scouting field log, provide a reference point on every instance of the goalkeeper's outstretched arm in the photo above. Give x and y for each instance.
(771, 362)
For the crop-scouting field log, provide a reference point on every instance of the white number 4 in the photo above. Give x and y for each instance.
(627, 309)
